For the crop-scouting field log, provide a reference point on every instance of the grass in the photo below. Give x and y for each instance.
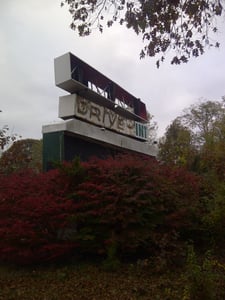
(89, 282)
(202, 278)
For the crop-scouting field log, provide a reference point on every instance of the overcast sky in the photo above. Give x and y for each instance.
(33, 33)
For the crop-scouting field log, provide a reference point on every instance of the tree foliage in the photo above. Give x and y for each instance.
(204, 124)
(23, 154)
(184, 26)
(177, 147)
(205, 118)
(198, 136)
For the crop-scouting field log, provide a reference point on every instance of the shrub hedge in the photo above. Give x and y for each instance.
(128, 205)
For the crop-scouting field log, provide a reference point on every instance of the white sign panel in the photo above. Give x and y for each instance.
(76, 106)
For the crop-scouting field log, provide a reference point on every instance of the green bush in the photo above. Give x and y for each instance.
(205, 277)
(214, 220)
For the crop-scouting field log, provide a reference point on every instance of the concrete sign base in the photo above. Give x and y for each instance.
(75, 138)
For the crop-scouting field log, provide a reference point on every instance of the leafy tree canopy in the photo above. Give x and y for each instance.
(204, 118)
(196, 139)
(23, 154)
(185, 26)
(176, 146)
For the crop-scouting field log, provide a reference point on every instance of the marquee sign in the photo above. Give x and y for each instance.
(100, 117)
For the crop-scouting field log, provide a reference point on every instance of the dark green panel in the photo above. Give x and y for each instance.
(53, 148)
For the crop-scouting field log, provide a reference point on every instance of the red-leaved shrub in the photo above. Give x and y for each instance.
(130, 203)
(33, 210)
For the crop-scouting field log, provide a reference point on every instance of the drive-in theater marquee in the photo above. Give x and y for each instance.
(100, 117)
